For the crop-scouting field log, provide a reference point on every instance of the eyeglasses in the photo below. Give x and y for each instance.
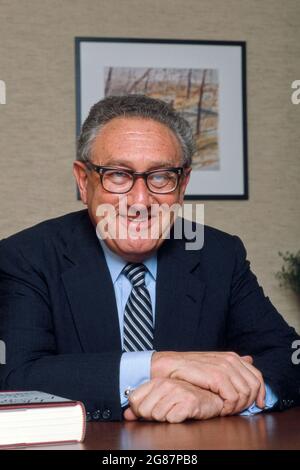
(119, 181)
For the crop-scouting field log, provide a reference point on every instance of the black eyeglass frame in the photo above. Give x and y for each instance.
(179, 171)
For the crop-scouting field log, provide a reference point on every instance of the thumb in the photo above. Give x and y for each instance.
(129, 415)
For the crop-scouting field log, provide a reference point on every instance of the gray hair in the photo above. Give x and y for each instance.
(134, 106)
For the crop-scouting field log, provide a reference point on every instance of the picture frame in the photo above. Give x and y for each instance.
(204, 80)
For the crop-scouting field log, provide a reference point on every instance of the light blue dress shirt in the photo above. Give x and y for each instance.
(135, 367)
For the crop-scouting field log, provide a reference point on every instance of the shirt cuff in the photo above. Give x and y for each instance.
(270, 400)
(135, 369)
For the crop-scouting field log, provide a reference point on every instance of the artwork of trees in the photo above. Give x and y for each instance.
(193, 92)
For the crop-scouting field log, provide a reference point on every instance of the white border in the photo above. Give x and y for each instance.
(94, 56)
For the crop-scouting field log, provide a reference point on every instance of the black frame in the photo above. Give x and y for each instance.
(179, 171)
(241, 44)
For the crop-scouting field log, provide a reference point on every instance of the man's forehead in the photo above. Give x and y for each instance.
(135, 128)
(146, 138)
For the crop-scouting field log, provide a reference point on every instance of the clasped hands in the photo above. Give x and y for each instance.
(196, 385)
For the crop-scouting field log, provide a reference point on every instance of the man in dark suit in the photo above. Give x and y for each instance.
(138, 326)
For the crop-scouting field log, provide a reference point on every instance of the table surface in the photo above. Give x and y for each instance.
(277, 430)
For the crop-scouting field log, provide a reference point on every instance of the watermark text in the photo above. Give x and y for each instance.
(2, 353)
(296, 354)
(295, 96)
(138, 222)
(2, 92)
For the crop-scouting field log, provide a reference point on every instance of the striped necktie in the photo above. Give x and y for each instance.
(138, 318)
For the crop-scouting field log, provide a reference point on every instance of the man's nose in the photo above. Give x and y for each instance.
(140, 194)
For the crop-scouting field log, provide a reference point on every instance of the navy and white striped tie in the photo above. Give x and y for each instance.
(138, 318)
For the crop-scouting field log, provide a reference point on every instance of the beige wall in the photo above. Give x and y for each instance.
(37, 125)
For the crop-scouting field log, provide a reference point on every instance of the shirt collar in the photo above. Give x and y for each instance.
(115, 263)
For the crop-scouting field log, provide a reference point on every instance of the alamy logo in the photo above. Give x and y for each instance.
(2, 352)
(295, 96)
(2, 92)
(296, 354)
(138, 222)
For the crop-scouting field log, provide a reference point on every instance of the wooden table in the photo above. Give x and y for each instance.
(277, 430)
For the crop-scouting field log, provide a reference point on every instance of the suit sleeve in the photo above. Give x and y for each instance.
(255, 327)
(32, 360)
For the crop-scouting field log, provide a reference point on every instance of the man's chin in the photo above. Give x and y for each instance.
(134, 250)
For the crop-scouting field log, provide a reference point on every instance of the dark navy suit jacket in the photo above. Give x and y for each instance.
(58, 313)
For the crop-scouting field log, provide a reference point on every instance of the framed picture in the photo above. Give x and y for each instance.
(204, 80)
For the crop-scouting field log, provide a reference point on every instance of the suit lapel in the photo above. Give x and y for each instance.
(179, 296)
(90, 291)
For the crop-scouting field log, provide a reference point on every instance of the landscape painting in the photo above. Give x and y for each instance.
(204, 80)
(193, 92)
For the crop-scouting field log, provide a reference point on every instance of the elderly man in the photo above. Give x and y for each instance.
(107, 306)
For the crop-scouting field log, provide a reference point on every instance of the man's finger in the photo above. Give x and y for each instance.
(248, 359)
(260, 399)
(146, 397)
(209, 377)
(141, 392)
(129, 415)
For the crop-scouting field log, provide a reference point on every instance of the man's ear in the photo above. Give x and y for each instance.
(81, 177)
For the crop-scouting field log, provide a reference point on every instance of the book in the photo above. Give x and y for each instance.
(36, 418)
